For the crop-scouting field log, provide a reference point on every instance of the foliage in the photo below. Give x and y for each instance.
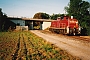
(54, 16)
(4, 22)
(41, 15)
(2, 19)
(79, 9)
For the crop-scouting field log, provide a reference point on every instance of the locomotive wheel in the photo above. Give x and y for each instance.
(74, 31)
(70, 32)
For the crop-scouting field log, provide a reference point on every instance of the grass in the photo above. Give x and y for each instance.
(33, 47)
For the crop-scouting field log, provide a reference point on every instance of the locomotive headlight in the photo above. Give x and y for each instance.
(76, 21)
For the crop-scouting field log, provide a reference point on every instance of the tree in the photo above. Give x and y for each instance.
(1, 18)
(4, 22)
(41, 15)
(79, 9)
(54, 16)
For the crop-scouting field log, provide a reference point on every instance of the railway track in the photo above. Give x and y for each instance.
(79, 38)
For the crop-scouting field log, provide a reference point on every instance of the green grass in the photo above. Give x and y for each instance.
(37, 47)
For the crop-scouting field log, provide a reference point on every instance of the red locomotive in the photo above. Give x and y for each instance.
(65, 25)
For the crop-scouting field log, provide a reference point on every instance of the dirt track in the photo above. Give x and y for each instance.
(74, 47)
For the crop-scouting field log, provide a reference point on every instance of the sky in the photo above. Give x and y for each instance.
(28, 8)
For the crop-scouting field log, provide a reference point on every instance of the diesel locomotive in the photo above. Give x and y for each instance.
(66, 25)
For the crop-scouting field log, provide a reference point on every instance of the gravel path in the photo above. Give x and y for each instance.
(73, 47)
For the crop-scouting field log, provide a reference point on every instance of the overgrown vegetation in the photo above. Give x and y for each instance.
(28, 46)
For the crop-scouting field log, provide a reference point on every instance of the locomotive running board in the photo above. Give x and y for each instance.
(57, 28)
